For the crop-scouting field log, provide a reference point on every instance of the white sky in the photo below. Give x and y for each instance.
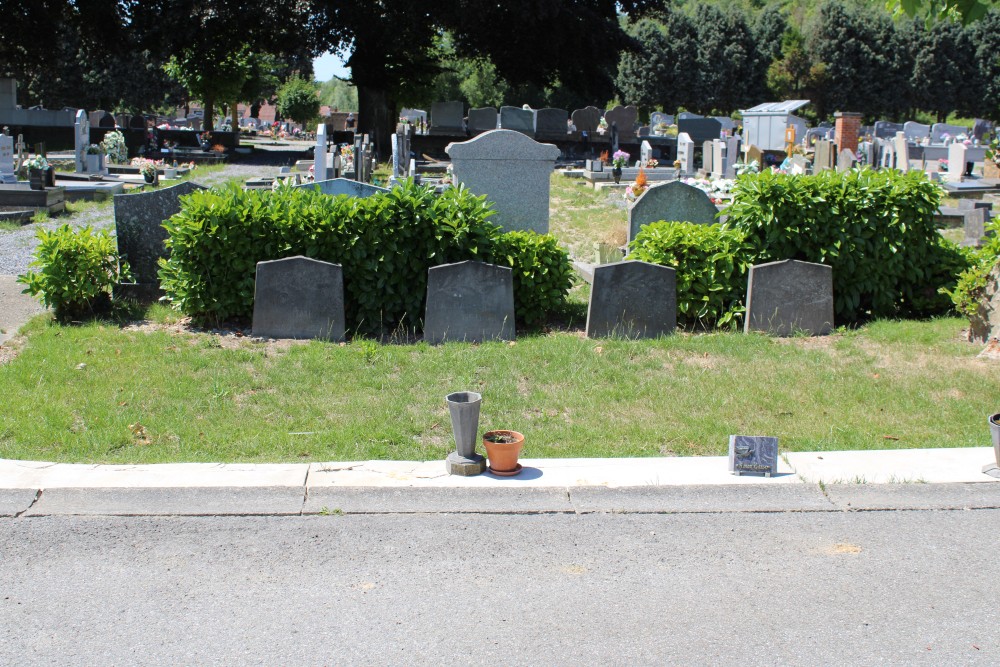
(328, 65)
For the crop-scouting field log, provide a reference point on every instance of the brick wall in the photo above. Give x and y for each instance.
(846, 128)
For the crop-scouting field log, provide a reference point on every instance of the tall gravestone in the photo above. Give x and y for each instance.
(632, 299)
(320, 172)
(823, 156)
(625, 119)
(344, 186)
(755, 154)
(700, 129)
(139, 228)
(845, 160)
(7, 174)
(784, 298)
(685, 153)
(551, 123)
(587, 119)
(707, 149)
(81, 140)
(672, 201)
(469, 301)
(299, 297)
(645, 153)
(902, 147)
(915, 131)
(513, 171)
(732, 155)
(482, 120)
(957, 153)
(518, 120)
(720, 159)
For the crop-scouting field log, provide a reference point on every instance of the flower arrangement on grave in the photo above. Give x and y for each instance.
(993, 150)
(94, 149)
(602, 123)
(652, 163)
(620, 159)
(633, 192)
(942, 165)
(218, 148)
(604, 157)
(741, 168)
(677, 164)
(660, 128)
(449, 176)
(36, 163)
(115, 148)
(146, 167)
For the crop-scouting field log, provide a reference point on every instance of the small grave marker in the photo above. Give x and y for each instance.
(784, 298)
(632, 299)
(469, 301)
(299, 297)
(753, 454)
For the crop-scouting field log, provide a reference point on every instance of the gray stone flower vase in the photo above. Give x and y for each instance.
(993, 469)
(464, 409)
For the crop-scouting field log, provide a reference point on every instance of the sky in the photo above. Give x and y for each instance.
(328, 65)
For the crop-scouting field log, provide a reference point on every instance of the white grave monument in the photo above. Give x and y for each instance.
(7, 174)
(81, 140)
(685, 153)
(956, 162)
(319, 156)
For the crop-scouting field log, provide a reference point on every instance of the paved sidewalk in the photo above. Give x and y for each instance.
(807, 482)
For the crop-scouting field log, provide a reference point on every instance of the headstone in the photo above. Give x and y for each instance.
(320, 172)
(344, 186)
(689, 115)
(974, 226)
(625, 118)
(7, 173)
(469, 301)
(195, 123)
(513, 171)
(551, 123)
(939, 130)
(106, 120)
(887, 158)
(299, 297)
(784, 298)
(632, 299)
(658, 117)
(956, 162)
(902, 149)
(446, 118)
(845, 160)
(800, 164)
(707, 149)
(984, 324)
(981, 129)
(645, 153)
(886, 130)
(726, 124)
(720, 161)
(700, 129)
(753, 454)
(823, 156)
(916, 132)
(673, 201)
(482, 120)
(81, 140)
(732, 155)
(643, 131)
(685, 153)
(139, 228)
(518, 119)
(755, 154)
(587, 119)
(412, 172)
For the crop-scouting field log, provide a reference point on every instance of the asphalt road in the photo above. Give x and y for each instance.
(804, 588)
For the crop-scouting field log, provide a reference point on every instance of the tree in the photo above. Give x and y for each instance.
(298, 100)
(727, 59)
(944, 58)
(212, 76)
(795, 74)
(660, 75)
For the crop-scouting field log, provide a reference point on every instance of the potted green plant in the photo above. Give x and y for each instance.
(40, 173)
(94, 159)
(503, 447)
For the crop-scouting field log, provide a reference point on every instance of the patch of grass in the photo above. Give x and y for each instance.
(155, 395)
(10, 225)
(580, 216)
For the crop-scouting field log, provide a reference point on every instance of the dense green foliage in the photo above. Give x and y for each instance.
(297, 100)
(77, 269)
(876, 229)
(971, 285)
(385, 244)
(711, 263)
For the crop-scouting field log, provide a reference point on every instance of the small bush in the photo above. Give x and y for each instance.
(77, 270)
(711, 264)
(969, 289)
(542, 272)
(874, 228)
(385, 244)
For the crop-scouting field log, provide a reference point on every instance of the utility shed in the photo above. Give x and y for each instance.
(764, 125)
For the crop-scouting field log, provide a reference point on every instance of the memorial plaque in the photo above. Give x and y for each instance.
(753, 454)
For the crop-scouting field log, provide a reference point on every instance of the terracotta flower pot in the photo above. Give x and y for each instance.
(503, 455)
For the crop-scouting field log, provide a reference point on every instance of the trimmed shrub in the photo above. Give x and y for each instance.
(77, 271)
(385, 244)
(875, 228)
(542, 271)
(711, 268)
(970, 288)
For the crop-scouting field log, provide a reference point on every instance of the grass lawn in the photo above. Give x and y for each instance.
(160, 392)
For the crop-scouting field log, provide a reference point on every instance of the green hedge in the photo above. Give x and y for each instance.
(385, 244)
(711, 264)
(970, 289)
(875, 228)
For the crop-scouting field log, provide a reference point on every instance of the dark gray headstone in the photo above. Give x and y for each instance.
(482, 120)
(784, 298)
(700, 129)
(446, 118)
(625, 119)
(671, 201)
(299, 297)
(344, 186)
(886, 130)
(753, 454)
(469, 301)
(551, 123)
(586, 119)
(518, 119)
(139, 227)
(633, 300)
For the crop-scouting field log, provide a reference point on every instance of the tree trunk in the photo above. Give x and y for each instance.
(236, 116)
(376, 117)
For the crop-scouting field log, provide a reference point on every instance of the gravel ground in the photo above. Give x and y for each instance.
(17, 246)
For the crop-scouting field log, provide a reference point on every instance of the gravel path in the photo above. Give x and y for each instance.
(17, 246)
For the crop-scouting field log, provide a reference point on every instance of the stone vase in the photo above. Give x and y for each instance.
(503, 455)
(464, 408)
(995, 433)
(37, 179)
